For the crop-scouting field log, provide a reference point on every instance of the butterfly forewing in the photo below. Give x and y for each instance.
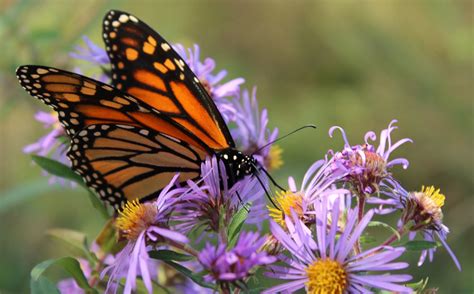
(81, 101)
(78, 101)
(145, 66)
(122, 162)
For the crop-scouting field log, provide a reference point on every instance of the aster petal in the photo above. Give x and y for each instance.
(355, 235)
(399, 161)
(343, 133)
(370, 136)
(381, 284)
(286, 241)
(395, 146)
(451, 253)
(144, 271)
(367, 259)
(291, 287)
(169, 234)
(333, 230)
(229, 87)
(341, 243)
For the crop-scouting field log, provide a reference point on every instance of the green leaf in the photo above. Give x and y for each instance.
(74, 239)
(384, 225)
(169, 255)
(69, 264)
(188, 273)
(418, 286)
(57, 168)
(236, 224)
(418, 245)
(43, 286)
(61, 170)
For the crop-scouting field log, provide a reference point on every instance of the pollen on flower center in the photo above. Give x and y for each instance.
(326, 276)
(433, 195)
(135, 218)
(286, 202)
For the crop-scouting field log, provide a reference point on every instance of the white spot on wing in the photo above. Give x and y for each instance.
(123, 18)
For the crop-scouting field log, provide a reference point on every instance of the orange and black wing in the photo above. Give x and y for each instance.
(145, 66)
(81, 101)
(122, 149)
(122, 162)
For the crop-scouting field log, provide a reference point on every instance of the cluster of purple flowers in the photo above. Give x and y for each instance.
(316, 228)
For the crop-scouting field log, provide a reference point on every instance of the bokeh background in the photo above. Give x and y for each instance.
(356, 64)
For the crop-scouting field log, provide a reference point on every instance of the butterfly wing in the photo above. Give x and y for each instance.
(122, 162)
(81, 101)
(122, 149)
(145, 66)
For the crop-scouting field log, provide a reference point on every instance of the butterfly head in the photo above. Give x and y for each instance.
(238, 165)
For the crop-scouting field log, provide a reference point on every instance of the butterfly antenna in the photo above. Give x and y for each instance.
(272, 179)
(266, 191)
(280, 138)
(241, 202)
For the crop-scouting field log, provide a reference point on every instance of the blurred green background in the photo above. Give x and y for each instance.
(357, 64)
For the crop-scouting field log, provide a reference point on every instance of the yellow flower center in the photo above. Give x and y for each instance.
(286, 201)
(135, 218)
(326, 277)
(274, 160)
(434, 195)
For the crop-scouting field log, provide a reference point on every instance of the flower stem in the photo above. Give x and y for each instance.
(401, 231)
(360, 214)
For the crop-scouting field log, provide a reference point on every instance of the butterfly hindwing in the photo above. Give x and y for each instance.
(122, 162)
(146, 66)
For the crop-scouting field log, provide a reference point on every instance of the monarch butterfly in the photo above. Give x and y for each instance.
(130, 138)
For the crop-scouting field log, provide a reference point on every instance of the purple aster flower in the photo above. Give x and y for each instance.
(368, 166)
(91, 53)
(325, 262)
(219, 91)
(144, 226)
(252, 132)
(318, 182)
(422, 214)
(237, 263)
(205, 200)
